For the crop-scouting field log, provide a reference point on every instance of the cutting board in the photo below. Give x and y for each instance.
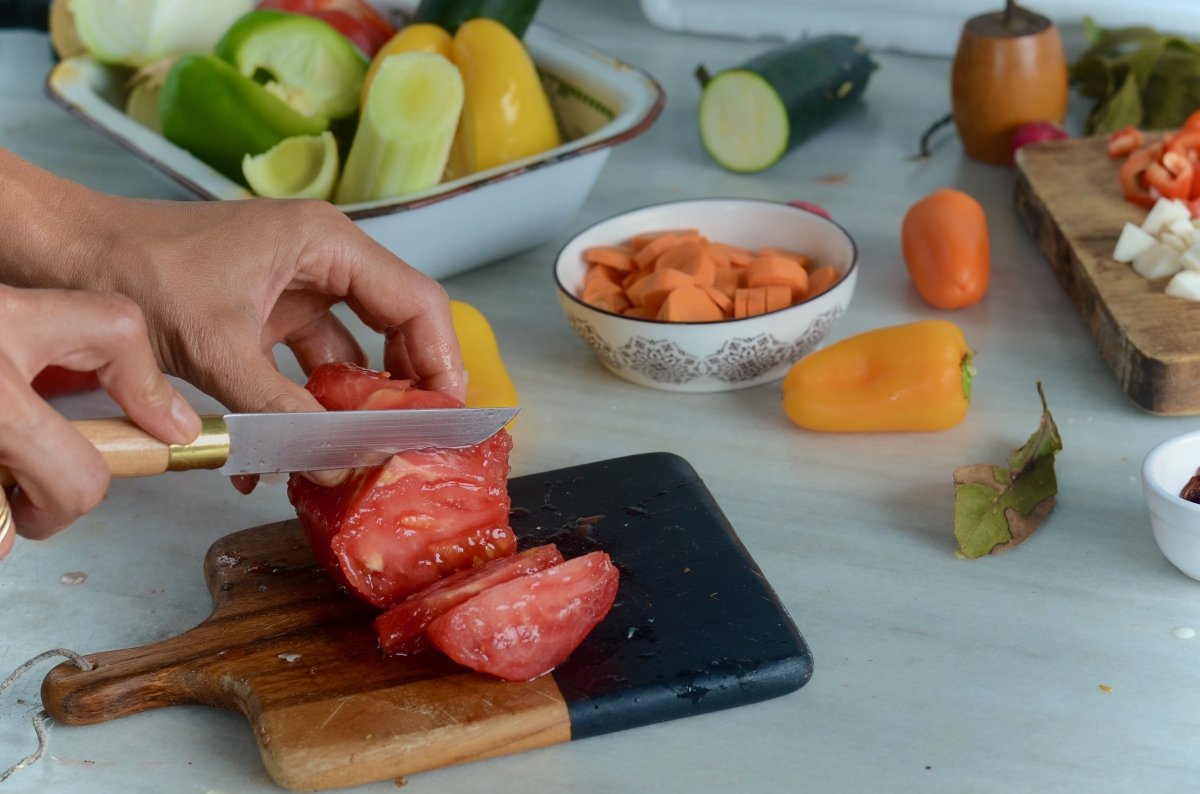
(696, 628)
(1069, 198)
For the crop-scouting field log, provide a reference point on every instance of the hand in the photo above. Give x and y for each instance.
(59, 475)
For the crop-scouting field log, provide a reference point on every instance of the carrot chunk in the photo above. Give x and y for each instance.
(649, 252)
(778, 297)
(640, 241)
(738, 256)
(691, 258)
(820, 280)
(689, 305)
(728, 279)
(618, 257)
(654, 288)
(767, 270)
(795, 256)
(723, 301)
(640, 313)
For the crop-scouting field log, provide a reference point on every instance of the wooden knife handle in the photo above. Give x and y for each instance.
(130, 451)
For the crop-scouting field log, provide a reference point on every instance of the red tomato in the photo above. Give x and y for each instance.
(58, 381)
(390, 530)
(357, 20)
(527, 626)
(401, 629)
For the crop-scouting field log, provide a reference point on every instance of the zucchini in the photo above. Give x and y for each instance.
(449, 14)
(752, 115)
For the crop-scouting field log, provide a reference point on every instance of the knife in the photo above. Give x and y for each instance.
(287, 442)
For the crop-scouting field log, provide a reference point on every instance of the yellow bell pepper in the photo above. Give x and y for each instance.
(915, 376)
(506, 114)
(422, 37)
(488, 383)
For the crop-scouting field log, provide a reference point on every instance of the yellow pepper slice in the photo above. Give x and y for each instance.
(488, 383)
(915, 376)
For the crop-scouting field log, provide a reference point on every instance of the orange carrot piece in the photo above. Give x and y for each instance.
(821, 280)
(602, 272)
(616, 303)
(640, 313)
(718, 255)
(618, 257)
(640, 241)
(738, 256)
(728, 280)
(723, 301)
(739, 303)
(778, 297)
(804, 261)
(767, 270)
(691, 258)
(689, 305)
(649, 252)
(657, 286)
(600, 289)
(756, 301)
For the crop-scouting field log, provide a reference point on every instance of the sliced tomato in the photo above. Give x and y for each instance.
(527, 626)
(357, 20)
(59, 381)
(401, 629)
(388, 531)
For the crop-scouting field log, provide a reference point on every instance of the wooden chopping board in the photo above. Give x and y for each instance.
(696, 628)
(1070, 199)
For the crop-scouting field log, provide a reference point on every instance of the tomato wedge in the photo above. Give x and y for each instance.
(527, 626)
(401, 629)
(391, 530)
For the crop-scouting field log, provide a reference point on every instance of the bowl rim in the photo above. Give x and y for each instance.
(852, 269)
(1154, 485)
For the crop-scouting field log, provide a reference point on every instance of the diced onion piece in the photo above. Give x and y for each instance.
(1163, 214)
(1173, 240)
(1157, 261)
(1190, 259)
(1185, 284)
(1182, 227)
(1133, 241)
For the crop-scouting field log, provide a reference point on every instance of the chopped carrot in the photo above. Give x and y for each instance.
(601, 290)
(738, 256)
(728, 279)
(691, 258)
(640, 241)
(820, 280)
(778, 297)
(689, 305)
(602, 272)
(804, 261)
(723, 301)
(649, 252)
(767, 270)
(756, 301)
(640, 313)
(718, 255)
(618, 257)
(652, 290)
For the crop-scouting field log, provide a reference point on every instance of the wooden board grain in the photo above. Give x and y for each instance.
(696, 628)
(1069, 198)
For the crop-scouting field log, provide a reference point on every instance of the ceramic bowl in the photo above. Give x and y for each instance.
(722, 355)
(1175, 521)
(599, 102)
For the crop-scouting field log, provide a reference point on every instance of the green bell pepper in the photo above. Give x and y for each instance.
(219, 115)
(303, 60)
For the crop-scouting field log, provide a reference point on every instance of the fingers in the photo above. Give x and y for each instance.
(7, 528)
(323, 340)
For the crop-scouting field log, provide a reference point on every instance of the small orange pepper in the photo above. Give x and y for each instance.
(945, 241)
(915, 376)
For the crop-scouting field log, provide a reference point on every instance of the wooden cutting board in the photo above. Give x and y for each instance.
(696, 628)
(1070, 199)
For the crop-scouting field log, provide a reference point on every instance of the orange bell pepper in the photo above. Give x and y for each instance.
(915, 376)
(944, 237)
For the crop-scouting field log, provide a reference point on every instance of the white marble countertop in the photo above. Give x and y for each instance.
(1053, 667)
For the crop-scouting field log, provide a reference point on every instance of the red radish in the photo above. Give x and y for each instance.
(1034, 132)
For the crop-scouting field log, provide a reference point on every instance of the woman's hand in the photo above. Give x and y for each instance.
(58, 474)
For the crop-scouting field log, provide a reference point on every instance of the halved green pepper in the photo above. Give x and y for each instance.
(219, 115)
(303, 60)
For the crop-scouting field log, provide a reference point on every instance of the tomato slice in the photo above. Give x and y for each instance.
(388, 531)
(59, 381)
(527, 626)
(401, 629)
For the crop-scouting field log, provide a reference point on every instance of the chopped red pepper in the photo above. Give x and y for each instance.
(1171, 176)
(1133, 173)
(1124, 141)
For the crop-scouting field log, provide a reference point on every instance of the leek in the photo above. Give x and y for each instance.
(139, 32)
(406, 129)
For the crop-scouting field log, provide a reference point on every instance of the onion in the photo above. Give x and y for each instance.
(1034, 132)
(139, 32)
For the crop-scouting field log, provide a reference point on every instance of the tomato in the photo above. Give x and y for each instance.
(946, 249)
(401, 629)
(527, 626)
(357, 20)
(58, 381)
(390, 530)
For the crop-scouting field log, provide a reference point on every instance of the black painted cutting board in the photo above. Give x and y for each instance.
(695, 628)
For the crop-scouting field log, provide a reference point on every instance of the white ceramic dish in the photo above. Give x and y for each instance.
(1174, 520)
(598, 100)
(712, 356)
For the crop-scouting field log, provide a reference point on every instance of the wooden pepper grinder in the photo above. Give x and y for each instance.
(1009, 69)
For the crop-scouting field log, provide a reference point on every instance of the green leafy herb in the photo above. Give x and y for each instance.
(998, 507)
(1138, 76)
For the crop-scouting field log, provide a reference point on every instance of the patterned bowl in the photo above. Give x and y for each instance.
(712, 356)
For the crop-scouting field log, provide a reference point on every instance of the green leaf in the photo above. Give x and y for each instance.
(1119, 109)
(996, 507)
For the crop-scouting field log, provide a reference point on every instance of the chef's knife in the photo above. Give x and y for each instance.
(286, 442)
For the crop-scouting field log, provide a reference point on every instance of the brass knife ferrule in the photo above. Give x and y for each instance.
(210, 450)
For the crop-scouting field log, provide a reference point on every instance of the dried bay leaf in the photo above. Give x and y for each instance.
(997, 507)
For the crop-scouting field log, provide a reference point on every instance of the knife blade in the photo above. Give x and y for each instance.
(287, 442)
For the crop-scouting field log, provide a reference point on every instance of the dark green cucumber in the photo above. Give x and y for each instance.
(752, 115)
(513, 14)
